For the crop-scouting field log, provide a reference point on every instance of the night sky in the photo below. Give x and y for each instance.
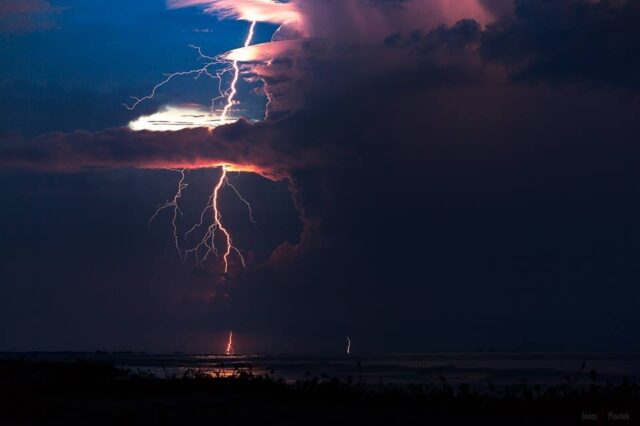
(431, 176)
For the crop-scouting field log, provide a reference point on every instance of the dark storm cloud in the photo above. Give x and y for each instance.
(465, 204)
(454, 39)
(569, 41)
(321, 71)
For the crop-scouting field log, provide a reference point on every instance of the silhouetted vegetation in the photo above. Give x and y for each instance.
(90, 393)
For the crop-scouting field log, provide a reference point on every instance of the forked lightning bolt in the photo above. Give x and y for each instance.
(176, 209)
(197, 73)
(246, 203)
(207, 245)
(217, 223)
(211, 62)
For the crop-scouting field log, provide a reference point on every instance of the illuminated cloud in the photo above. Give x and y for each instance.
(173, 118)
(242, 146)
(264, 52)
(249, 10)
(314, 32)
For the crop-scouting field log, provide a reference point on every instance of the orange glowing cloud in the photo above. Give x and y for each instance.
(248, 10)
(240, 147)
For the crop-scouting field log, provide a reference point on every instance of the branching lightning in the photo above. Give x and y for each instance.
(215, 67)
(176, 209)
(207, 246)
(230, 185)
(217, 223)
(197, 73)
(215, 229)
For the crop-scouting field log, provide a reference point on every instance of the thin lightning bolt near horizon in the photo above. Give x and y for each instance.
(348, 346)
(229, 350)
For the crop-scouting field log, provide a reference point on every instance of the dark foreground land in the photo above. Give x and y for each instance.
(45, 393)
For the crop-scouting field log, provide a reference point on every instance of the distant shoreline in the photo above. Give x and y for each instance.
(478, 370)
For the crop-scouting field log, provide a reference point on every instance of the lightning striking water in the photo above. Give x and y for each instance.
(348, 345)
(230, 350)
